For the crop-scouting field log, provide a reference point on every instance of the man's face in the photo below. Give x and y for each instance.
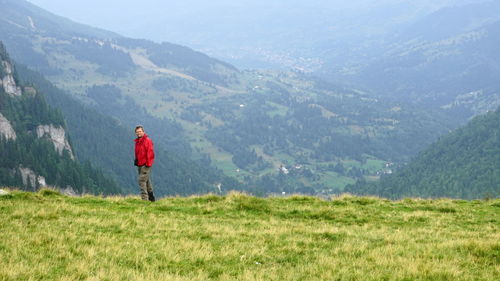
(139, 133)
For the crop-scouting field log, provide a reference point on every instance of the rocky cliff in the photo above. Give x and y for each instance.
(31, 179)
(58, 137)
(7, 81)
(6, 130)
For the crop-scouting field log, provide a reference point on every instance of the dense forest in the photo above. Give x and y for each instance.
(463, 164)
(31, 153)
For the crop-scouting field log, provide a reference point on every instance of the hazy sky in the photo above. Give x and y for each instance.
(228, 29)
(133, 18)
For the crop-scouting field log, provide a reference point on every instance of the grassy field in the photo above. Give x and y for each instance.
(48, 236)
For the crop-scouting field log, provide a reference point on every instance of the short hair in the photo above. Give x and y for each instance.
(139, 127)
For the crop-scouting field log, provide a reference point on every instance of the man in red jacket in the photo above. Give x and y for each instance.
(144, 158)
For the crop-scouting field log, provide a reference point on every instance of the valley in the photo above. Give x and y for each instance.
(274, 131)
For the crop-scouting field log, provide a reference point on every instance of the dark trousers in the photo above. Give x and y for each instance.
(145, 181)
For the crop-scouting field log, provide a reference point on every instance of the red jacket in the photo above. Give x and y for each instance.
(144, 152)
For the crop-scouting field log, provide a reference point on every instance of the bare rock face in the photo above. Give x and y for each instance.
(31, 179)
(6, 129)
(8, 82)
(57, 136)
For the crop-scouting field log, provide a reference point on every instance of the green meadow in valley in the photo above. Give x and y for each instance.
(49, 236)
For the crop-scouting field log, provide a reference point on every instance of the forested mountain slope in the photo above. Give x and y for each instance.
(35, 149)
(463, 164)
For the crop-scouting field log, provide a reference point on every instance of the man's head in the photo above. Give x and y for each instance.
(139, 131)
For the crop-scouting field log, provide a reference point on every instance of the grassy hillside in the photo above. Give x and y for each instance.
(47, 236)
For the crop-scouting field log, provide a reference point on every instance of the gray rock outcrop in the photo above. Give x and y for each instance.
(8, 82)
(57, 135)
(6, 129)
(30, 179)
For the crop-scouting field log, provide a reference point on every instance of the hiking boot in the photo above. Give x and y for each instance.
(151, 196)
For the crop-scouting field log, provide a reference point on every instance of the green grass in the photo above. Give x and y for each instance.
(374, 165)
(334, 180)
(229, 168)
(280, 110)
(48, 236)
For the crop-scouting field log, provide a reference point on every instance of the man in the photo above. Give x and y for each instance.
(144, 158)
